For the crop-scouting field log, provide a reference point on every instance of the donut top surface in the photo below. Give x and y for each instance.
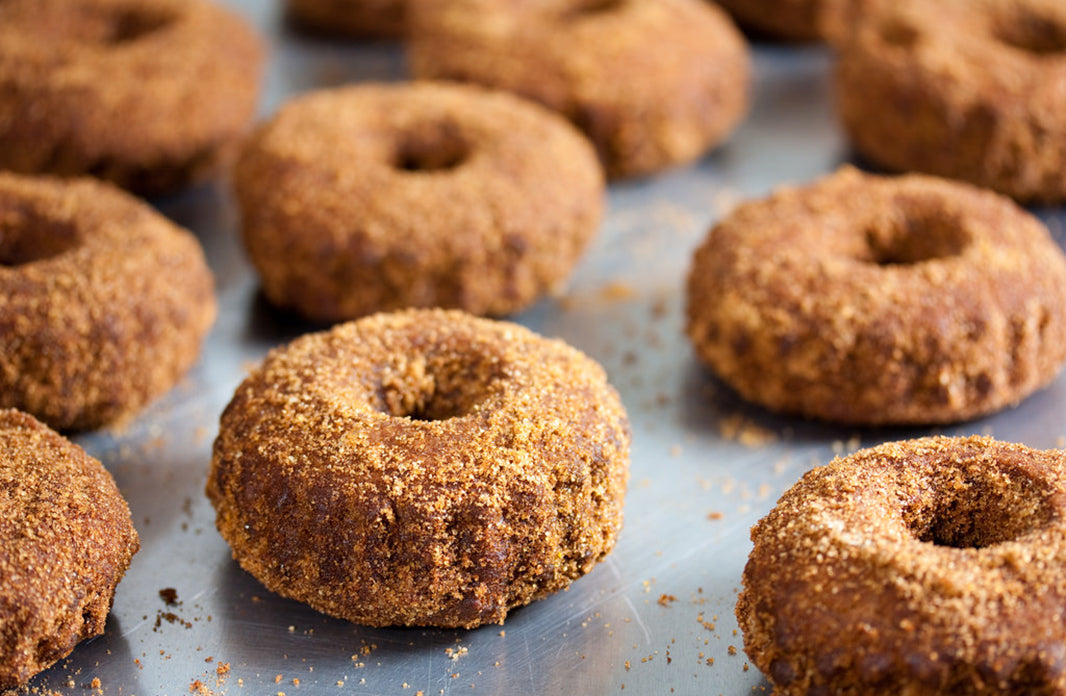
(935, 565)
(65, 541)
(873, 299)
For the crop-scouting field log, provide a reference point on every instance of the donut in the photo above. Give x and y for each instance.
(645, 106)
(967, 89)
(149, 94)
(379, 197)
(929, 566)
(66, 539)
(796, 20)
(103, 302)
(424, 467)
(381, 19)
(872, 300)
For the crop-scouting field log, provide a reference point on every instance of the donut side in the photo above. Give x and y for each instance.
(151, 94)
(66, 539)
(931, 566)
(104, 303)
(966, 90)
(644, 110)
(871, 300)
(421, 468)
(381, 197)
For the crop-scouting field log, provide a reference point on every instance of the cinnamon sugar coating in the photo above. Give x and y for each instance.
(66, 540)
(931, 566)
(149, 94)
(653, 83)
(379, 197)
(967, 89)
(870, 300)
(421, 468)
(797, 20)
(103, 302)
(384, 19)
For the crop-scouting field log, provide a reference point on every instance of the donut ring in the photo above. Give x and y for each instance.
(796, 20)
(869, 300)
(431, 469)
(379, 197)
(933, 566)
(149, 94)
(66, 539)
(382, 19)
(103, 302)
(967, 89)
(644, 110)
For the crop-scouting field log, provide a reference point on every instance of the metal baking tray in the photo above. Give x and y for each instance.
(657, 616)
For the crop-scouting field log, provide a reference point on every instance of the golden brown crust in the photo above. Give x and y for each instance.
(797, 20)
(862, 299)
(421, 468)
(379, 197)
(66, 539)
(383, 19)
(149, 94)
(646, 103)
(968, 89)
(932, 566)
(103, 302)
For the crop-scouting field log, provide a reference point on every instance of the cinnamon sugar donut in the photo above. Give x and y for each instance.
(103, 302)
(384, 19)
(149, 94)
(421, 468)
(869, 300)
(378, 197)
(968, 89)
(644, 108)
(933, 566)
(66, 540)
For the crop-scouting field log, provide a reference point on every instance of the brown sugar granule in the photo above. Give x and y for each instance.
(474, 465)
(930, 561)
(66, 539)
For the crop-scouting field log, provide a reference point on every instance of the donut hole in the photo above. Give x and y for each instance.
(898, 34)
(979, 513)
(110, 26)
(431, 150)
(1029, 31)
(913, 238)
(436, 388)
(26, 237)
(587, 8)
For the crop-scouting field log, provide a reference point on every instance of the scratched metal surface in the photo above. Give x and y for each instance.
(657, 616)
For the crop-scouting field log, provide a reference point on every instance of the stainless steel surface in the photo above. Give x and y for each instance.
(657, 616)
